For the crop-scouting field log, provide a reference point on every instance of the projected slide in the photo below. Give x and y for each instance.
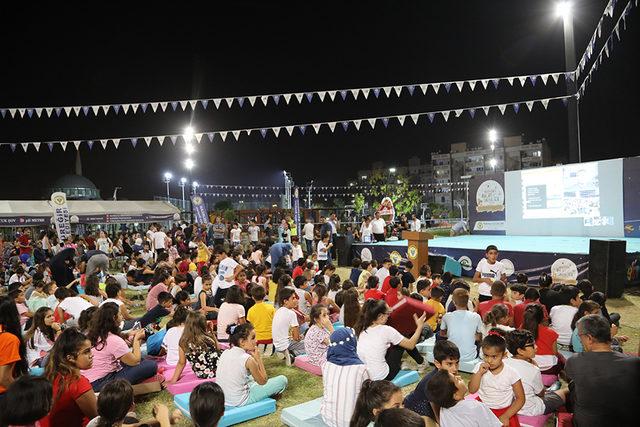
(571, 191)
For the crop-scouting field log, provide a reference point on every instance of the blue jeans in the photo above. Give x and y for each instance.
(134, 374)
(273, 386)
(309, 244)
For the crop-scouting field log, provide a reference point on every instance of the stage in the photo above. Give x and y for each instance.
(532, 255)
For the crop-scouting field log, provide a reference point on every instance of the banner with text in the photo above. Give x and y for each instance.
(199, 210)
(61, 215)
(487, 204)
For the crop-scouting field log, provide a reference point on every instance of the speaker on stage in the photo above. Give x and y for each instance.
(342, 245)
(436, 262)
(607, 270)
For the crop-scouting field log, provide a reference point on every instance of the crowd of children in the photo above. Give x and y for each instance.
(211, 307)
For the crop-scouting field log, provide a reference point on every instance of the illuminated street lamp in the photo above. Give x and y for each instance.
(167, 180)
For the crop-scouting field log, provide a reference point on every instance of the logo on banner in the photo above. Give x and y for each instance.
(564, 270)
(386, 210)
(509, 268)
(465, 262)
(61, 215)
(490, 197)
(395, 257)
(199, 209)
(412, 252)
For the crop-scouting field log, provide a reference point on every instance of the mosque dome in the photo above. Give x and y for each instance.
(76, 187)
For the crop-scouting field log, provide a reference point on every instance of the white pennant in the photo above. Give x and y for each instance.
(161, 140)
(332, 94)
(332, 126)
(125, 108)
(365, 92)
(50, 110)
(105, 109)
(486, 110)
(223, 135)
(276, 131)
(545, 103)
(13, 112)
(217, 101)
(555, 77)
(22, 111)
(290, 130)
(424, 88)
(250, 130)
(134, 107)
(287, 97)
(544, 78)
(436, 87)
(502, 108)
(193, 104)
(116, 142)
(25, 145)
(164, 105)
(510, 80)
(147, 139)
(104, 143)
(387, 90)
(77, 144)
(398, 90)
(316, 127)
(252, 100)
(401, 120)
(154, 106)
(299, 97)
(63, 144)
(522, 80)
(37, 145)
(485, 83)
(460, 85)
(67, 111)
(372, 122)
(77, 111)
(265, 99)
(472, 84)
(198, 137)
(606, 49)
(415, 118)
(530, 105)
(236, 134)
(445, 114)
(38, 112)
(321, 95)
(355, 93)
(459, 113)
(357, 124)
(229, 101)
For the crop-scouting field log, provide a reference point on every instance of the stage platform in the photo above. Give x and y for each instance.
(533, 255)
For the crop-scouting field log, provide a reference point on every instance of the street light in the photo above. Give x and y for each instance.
(493, 162)
(167, 180)
(493, 136)
(189, 164)
(563, 9)
(188, 134)
(392, 170)
(195, 186)
(189, 148)
(183, 182)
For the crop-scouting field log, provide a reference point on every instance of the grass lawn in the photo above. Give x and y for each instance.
(304, 386)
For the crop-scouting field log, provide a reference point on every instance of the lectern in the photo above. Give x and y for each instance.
(417, 249)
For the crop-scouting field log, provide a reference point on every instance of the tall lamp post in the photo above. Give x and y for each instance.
(564, 11)
(167, 180)
(195, 186)
(183, 182)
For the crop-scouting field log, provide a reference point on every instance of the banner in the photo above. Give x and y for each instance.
(487, 204)
(296, 209)
(199, 210)
(61, 215)
(631, 196)
(386, 210)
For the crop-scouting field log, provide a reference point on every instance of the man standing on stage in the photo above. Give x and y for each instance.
(378, 228)
(414, 224)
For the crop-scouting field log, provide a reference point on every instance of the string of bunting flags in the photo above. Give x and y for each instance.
(302, 128)
(365, 187)
(608, 45)
(240, 101)
(244, 195)
(241, 187)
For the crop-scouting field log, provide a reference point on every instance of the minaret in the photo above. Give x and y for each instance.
(78, 163)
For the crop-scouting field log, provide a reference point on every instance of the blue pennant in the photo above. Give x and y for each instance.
(472, 112)
(204, 103)
(85, 110)
(533, 79)
(302, 128)
(240, 101)
(431, 116)
(568, 76)
(174, 105)
(3, 112)
(173, 138)
(516, 107)
(309, 96)
(30, 112)
(134, 141)
(495, 82)
(264, 133)
(345, 126)
(116, 108)
(276, 98)
(90, 144)
(376, 92)
(50, 145)
(13, 147)
(447, 86)
(411, 89)
(144, 106)
(210, 135)
(385, 121)
(343, 94)
(58, 111)
(565, 101)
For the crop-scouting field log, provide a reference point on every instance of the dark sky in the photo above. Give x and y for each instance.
(77, 55)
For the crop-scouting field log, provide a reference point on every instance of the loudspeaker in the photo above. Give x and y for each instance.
(436, 262)
(342, 245)
(607, 270)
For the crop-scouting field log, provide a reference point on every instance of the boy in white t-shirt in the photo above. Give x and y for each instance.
(296, 250)
(462, 327)
(235, 234)
(285, 329)
(499, 386)
(489, 269)
(562, 315)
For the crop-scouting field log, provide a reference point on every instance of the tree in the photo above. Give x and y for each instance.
(223, 205)
(358, 202)
(405, 199)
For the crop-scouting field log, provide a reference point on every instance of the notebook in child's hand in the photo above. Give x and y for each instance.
(401, 316)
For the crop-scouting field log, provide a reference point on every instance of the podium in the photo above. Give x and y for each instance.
(417, 249)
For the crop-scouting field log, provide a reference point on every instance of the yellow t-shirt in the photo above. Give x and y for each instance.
(362, 279)
(261, 317)
(192, 267)
(203, 254)
(273, 288)
(438, 310)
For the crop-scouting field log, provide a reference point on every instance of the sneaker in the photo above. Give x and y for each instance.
(423, 366)
(406, 366)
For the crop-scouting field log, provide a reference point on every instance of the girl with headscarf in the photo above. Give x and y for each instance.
(342, 378)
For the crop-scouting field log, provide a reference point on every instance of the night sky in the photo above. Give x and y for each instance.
(63, 54)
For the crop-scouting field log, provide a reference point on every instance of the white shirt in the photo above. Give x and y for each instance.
(381, 274)
(197, 285)
(341, 388)
(372, 349)
(15, 278)
(74, 306)
(532, 384)
(229, 314)
(561, 317)
(235, 234)
(461, 327)
(377, 226)
(113, 300)
(225, 268)
(296, 253)
(468, 413)
(489, 271)
(496, 391)
(365, 232)
(146, 256)
(40, 344)
(307, 231)
(170, 343)
(283, 320)
(232, 376)
(415, 225)
(159, 239)
(254, 231)
(323, 253)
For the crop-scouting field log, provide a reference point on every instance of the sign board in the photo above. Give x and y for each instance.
(61, 215)
(386, 210)
(199, 210)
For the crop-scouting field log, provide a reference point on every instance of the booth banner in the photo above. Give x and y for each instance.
(296, 209)
(61, 215)
(631, 192)
(487, 204)
(199, 210)
(386, 210)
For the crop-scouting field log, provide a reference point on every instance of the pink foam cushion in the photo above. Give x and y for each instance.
(537, 421)
(186, 372)
(302, 362)
(548, 380)
(186, 386)
(223, 345)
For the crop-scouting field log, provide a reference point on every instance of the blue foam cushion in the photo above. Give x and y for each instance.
(404, 378)
(338, 325)
(426, 346)
(306, 414)
(36, 371)
(232, 414)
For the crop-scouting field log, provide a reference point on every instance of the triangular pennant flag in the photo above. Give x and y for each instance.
(50, 110)
(544, 78)
(459, 112)
(276, 131)
(116, 108)
(223, 135)
(287, 98)
(252, 100)
(134, 142)
(486, 110)
(143, 107)
(25, 145)
(134, 107)
(22, 111)
(332, 126)
(205, 103)
(516, 107)
(37, 145)
(372, 123)
(385, 121)
(555, 77)
(423, 88)
(263, 132)
(411, 89)
(357, 124)
(545, 103)
(198, 136)
(174, 138)
(316, 127)
(125, 108)
(376, 92)
(533, 79)
(565, 101)
(116, 142)
(302, 128)
(163, 106)
(530, 105)
(460, 85)
(510, 80)
(345, 126)
(58, 110)
(309, 96)
(229, 102)
(193, 104)
(398, 90)
(210, 135)
(472, 84)
(85, 110)
(265, 99)
(147, 139)
(502, 108)
(299, 97)
(617, 27)
(436, 87)
(387, 91)
(355, 93)
(431, 116)
(77, 144)
(321, 95)
(161, 140)
(343, 94)
(401, 119)
(445, 114)
(3, 112)
(606, 49)
(485, 83)
(522, 80)
(332, 94)
(447, 87)
(90, 144)
(290, 130)
(104, 143)
(365, 92)
(240, 101)
(13, 147)
(569, 76)
(67, 111)
(415, 118)
(30, 112)
(472, 112)
(276, 99)
(50, 145)
(216, 102)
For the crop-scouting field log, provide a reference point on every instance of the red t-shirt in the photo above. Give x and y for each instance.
(56, 316)
(297, 272)
(373, 294)
(65, 410)
(9, 351)
(546, 338)
(24, 240)
(391, 297)
(485, 307)
(385, 285)
(518, 312)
